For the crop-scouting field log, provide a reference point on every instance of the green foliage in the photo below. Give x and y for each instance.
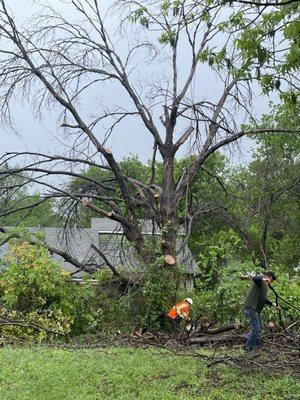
(35, 287)
(167, 37)
(12, 200)
(257, 36)
(158, 294)
(258, 201)
(40, 277)
(288, 287)
(256, 43)
(213, 252)
(224, 303)
(118, 307)
(138, 15)
(146, 305)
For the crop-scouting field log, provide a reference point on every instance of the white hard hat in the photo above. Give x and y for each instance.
(189, 300)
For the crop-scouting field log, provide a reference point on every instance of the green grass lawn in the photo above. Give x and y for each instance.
(125, 374)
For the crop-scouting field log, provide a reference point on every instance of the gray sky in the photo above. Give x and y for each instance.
(42, 135)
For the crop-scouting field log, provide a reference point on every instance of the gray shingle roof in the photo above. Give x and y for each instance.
(108, 225)
(110, 246)
(78, 242)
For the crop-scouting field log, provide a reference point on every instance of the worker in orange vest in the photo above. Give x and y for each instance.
(180, 311)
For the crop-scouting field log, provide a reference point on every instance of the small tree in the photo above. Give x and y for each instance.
(35, 289)
(263, 206)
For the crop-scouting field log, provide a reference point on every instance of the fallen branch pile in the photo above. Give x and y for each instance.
(279, 354)
(280, 351)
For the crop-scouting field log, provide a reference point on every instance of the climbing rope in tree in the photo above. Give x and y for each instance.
(277, 297)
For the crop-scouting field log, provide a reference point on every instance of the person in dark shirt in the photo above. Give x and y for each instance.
(254, 304)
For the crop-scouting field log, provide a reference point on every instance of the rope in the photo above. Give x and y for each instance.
(279, 310)
(277, 297)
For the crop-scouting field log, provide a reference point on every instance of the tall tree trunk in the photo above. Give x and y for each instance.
(134, 234)
(168, 211)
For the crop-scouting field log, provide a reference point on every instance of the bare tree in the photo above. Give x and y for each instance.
(57, 61)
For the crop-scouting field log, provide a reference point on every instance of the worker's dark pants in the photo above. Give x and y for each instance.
(175, 323)
(253, 338)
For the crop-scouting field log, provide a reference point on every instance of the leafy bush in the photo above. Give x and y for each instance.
(35, 287)
(158, 294)
(225, 302)
(115, 301)
(143, 306)
(211, 252)
(287, 286)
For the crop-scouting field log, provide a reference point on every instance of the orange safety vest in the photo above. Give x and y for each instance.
(181, 309)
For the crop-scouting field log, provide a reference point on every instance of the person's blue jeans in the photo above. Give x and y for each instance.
(253, 338)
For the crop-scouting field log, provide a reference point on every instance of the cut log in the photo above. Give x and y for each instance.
(204, 329)
(84, 202)
(219, 339)
(224, 328)
(170, 260)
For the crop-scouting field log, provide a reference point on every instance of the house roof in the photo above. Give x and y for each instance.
(107, 225)
(76, 242)
(107, 236)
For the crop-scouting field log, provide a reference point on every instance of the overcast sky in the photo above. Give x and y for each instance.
(42, 135)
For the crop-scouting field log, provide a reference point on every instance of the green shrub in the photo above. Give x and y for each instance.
(225, 302)
(35, 287)
(287, 286)
(142, 306)
(158, 294)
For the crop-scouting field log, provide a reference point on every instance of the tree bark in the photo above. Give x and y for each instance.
(168, 209)
(210, 339)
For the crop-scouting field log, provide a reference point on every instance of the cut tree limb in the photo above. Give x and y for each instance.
(29, 324)
(170, 260)
(205, 329)
(122, 278)
(224, 328)
(211, 339)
